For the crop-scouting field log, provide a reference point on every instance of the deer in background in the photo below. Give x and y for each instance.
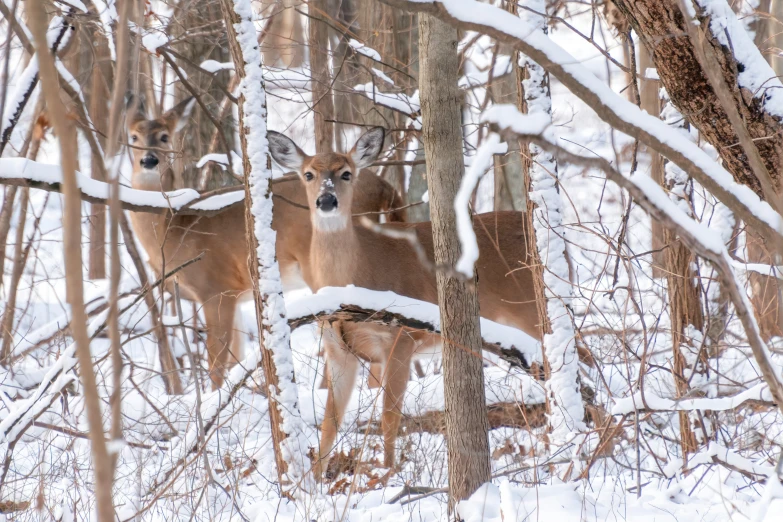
(342, 254)
(221, 279)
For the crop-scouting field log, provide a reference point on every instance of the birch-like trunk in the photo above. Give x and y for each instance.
(290, 443)
(545, 216)
(463, 374)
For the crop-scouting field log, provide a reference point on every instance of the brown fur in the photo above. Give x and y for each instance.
(221, 278)
(349, 254)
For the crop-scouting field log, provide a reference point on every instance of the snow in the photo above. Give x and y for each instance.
(599, 96)
(467, 236)
(214, 66)
(756, 74)
(364, 50)
(329, 299)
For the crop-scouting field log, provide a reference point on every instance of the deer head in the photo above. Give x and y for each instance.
(151, 143)
(328, 177)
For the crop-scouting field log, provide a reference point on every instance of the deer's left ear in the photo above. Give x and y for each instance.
(177, 117)
(368, 147)
(136, 111)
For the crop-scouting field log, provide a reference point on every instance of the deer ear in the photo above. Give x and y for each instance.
(134, 105)
(285, 152)
(368, 147)
(177, 117)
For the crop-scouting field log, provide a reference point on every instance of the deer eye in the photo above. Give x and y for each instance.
(346, 175)
(309, 176)
(164, 138)
(134, 138)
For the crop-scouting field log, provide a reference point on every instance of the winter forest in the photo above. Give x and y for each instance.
(391, 260)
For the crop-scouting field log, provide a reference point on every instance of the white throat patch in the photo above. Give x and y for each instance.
(330, 221)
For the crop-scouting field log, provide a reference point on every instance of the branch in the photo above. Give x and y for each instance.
(358, 314)
(608, 105)
(650, 196)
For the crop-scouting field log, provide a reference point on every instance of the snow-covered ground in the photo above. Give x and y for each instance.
(620, 313)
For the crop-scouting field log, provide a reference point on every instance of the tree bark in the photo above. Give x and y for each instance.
(66, 132)
(648, 92)
(195, 139)
(98, 97)
(661, 27)
(323, 103)
(466, 414)
(685, 309)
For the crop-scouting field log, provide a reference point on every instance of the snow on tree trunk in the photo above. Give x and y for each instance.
(290, 443)
(566, 408)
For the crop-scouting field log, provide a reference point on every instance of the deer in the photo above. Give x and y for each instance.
(342, 253)
(221, 279)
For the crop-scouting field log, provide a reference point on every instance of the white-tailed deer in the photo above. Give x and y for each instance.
(222, 278)
(342, 253)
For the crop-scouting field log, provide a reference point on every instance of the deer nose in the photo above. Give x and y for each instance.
(149, 161)
(326, 202)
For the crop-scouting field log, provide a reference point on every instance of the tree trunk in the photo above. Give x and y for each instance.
(466, 413)
(283, 45)
(648, 92)
(195, 139)
(323, 103)
(660, 25)
(98, 96)
(547, 251)
(685, 310)
(65, 130)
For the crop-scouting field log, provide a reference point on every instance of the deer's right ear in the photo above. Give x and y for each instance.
(134, 106)
(285, 152)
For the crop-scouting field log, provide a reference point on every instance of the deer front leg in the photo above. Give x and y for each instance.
(342, 370)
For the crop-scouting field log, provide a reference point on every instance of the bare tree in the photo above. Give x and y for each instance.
(463, 376)
(66, 132)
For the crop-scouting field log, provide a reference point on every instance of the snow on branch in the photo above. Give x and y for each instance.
(649, 195)
(608, 105)
(28, 173)
(652, 402)
(514, 344)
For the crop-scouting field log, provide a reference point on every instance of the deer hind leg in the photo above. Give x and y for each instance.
(342, 370)
(219, 315)
(395, 381)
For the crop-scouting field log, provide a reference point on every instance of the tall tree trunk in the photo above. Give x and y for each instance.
(648, 92)
(65, 130)
(98, 97)
(661, 27)
(685, 309)
(323, 103)
(547, 251)
(283, 45)
(463, 376)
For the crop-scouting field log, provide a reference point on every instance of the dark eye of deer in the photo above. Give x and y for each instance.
(309, 176)
(346, 175)
(164, 138)
(134, 138)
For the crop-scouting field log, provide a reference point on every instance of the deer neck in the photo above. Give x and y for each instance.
(333, 255)
(152, 180)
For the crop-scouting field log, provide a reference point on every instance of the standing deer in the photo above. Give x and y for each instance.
(222, 278)
(342, 254)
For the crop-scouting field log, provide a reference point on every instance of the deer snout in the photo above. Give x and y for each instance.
(149, 161)
(326, 202)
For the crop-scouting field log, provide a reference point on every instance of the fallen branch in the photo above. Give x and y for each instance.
(358, 314)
